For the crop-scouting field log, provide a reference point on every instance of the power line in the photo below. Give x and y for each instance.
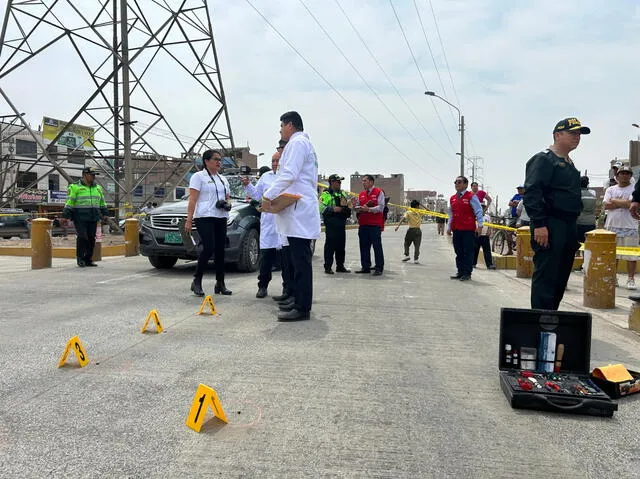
(365, 81)
(364, 43)
(420, 72)
(330, 85)
(444, 53)
(426, 39)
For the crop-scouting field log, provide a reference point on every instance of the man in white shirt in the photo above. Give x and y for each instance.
(299, 222)
(617, 200)
(270, 240)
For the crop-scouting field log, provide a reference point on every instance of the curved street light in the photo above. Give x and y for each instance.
(460, 126)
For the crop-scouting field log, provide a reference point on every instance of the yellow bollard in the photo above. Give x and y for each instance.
(634, 316)
(524, 253)
(41, 250)
(131, 237)
(599, 268)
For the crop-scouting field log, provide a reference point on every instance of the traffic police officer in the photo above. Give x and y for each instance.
(85, 206)
(552, 199)
(335, 211)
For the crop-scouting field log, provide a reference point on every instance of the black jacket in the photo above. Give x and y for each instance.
(552, 188)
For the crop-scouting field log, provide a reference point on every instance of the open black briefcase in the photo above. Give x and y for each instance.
(545, 362)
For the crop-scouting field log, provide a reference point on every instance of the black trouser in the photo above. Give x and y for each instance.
(552, 265)
(213, 236)
(300, 249)
(269, 257)
(85, 239)
(413, 235)
(483, 241)
(335, 241)
(464, 243)
(583, 230)
(286, 264)
(370, 235)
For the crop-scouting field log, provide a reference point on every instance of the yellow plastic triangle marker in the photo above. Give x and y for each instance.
(208, 301)
(153, 314)
(205, 397)
(75, 345)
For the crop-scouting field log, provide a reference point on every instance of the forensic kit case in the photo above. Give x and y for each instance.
(544, 362)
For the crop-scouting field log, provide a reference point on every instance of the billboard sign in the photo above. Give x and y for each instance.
(33, 196)
(57, 196)
(75, 137)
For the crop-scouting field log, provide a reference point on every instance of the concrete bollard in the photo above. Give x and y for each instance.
(131, 237)
(599, 268)
(41, 249)
(524, 253)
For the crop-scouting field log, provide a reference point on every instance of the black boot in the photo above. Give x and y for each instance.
(282, 297)
(196, 286)
(220, 288)
(262, 292)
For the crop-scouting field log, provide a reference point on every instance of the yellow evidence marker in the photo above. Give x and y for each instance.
(205, 397)
(208, 301)
(75, 344)
(153, 314)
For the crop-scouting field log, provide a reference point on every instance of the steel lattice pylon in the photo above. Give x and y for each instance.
(121, 46)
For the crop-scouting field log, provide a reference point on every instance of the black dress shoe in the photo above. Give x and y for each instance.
(294, 315)
(262, 292)
(287, 302)
(281, 297)
(342, 269)
(455, 276)
(377, 273)
(465, 277)
(91, 263)
(363, 271)
(328, 271)
(81, 263)
(220, 288)
(287, 307)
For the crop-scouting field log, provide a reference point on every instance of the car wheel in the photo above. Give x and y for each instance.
(163, 262)
(249, 252)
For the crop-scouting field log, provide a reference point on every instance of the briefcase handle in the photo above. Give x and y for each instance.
(567, 407)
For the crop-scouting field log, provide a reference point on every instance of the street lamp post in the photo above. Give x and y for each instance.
(460, 126)
(636, 126)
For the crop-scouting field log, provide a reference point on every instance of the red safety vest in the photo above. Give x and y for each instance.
(463, 217)
(367, 218)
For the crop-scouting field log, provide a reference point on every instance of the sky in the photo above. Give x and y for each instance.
(513, 68)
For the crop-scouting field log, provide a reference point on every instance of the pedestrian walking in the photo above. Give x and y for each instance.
(369, 207)
(270, 241)
(85, 206)
(553, 201)
(209, 204)
(299, 222)
(617, 201)
(440, 222)
(465, 220)
(482, 241)
(334, 207)
(414, 233)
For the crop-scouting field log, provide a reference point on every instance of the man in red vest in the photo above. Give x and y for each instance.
(369, 208)
(465, 220)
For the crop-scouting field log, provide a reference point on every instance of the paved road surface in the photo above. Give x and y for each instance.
(394, 377)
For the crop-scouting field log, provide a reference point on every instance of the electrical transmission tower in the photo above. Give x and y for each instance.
(475, 169)
(136, 72)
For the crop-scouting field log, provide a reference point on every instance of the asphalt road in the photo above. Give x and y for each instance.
(394, 376)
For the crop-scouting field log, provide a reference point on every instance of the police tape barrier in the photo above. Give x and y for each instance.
(620, 250)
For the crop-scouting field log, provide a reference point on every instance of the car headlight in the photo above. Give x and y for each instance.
(146, 219)
(232, 217)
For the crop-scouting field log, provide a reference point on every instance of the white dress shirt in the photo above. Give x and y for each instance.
(298, 174)
(269, 237)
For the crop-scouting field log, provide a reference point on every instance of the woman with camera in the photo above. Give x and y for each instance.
(209, 204)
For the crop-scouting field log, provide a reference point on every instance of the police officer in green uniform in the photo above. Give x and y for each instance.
(85, 206)
(334, 211)
(552, 199)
